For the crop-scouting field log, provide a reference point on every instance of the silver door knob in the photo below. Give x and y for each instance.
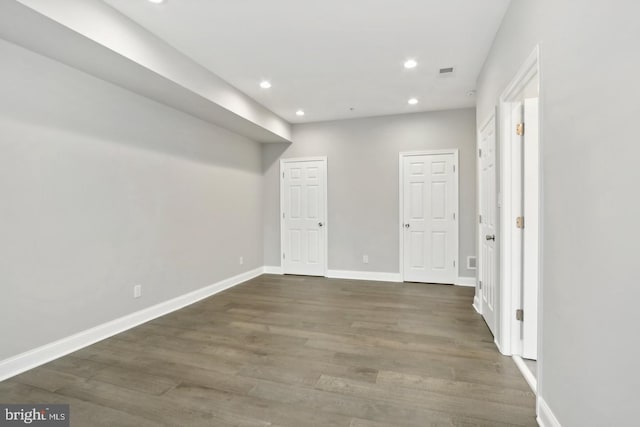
(320, 224)
(490, 237)
(407, 225)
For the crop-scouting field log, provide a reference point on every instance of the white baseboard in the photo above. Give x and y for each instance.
(272, 269)
(546, 418)
(497, 343)
(369, 275)
(476, 304)
(385, 277)
(466, 281)
(364, 275)
(48, 352)
(526, 372)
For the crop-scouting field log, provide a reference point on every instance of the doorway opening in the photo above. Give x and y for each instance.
(520, 175)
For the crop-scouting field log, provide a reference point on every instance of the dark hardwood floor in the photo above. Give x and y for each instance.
(294, 351)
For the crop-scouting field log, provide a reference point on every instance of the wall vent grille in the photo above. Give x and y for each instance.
(446, 72)
(471, 263)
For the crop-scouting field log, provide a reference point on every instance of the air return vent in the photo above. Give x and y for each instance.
(471, 263)
(446, 72)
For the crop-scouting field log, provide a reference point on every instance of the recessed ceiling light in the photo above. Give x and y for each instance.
(157, 1)
(413, 101)
(299, 113)
(410, 63)
(265, 84)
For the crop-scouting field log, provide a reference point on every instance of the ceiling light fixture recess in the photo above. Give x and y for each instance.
(410, 63)
(413, 101)
(299, 113)
(265, 84)
(156, 1)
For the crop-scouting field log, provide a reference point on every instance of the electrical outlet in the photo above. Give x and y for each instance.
(241, 260)
(365, 259)
(137, 291)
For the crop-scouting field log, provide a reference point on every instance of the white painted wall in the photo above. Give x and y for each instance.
(363, 182)
(590, 68)
(103, 189)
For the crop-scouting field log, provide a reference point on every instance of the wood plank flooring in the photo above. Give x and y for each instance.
(294, 351)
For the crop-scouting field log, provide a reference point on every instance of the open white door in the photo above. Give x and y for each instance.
(429, 210)
(531, 236)
(488, 264)
(303, 216)
(525, 238)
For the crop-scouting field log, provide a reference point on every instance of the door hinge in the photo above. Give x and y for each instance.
(520, 222)
(480, 284)
(480, 219)
(282, 215)
(454, 262)
(454, 215)
(282, 175)
(520, 314)
(283, 255)
(520, 129)
(479, 152)
(454, 168)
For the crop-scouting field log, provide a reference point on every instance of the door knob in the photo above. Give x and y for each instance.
(320, 224)
(407, 225)
(490, 237)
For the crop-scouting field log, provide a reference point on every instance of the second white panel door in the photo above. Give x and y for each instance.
(488, 261)
(430, 218)
(303, 222)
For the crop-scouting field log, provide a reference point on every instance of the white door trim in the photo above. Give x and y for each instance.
(509, 341)
(401, 157)
(322, 159)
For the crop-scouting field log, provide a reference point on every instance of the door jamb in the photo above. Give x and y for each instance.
(511, 257)
(456, 190)
(322, 159)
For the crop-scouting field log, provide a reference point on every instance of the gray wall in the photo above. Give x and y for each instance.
(363, 182)
(103, 189)
(590, 151)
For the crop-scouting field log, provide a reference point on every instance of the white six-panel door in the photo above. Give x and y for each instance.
(429, 217)
(488, 263)
(303, 216)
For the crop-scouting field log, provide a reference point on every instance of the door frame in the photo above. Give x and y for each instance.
(509, 342)
(325, 195)
(456, 190)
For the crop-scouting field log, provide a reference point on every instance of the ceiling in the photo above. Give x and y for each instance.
(334, 59)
